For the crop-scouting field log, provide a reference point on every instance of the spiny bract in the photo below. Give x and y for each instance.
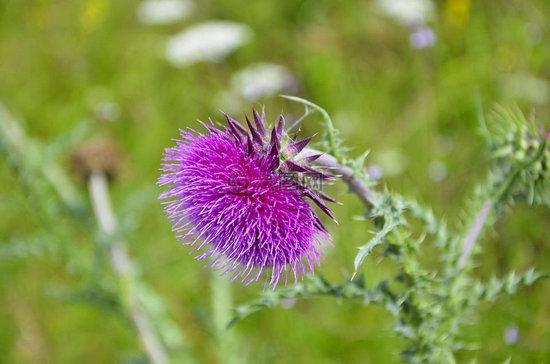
(239, 197)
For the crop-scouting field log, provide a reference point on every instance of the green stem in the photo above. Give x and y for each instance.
(221, 314)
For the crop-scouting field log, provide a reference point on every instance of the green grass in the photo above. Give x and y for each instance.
(58, 56)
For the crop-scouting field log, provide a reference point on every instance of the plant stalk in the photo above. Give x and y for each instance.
(124, 268)
(221, 314)
(473, 233)
(358, 186)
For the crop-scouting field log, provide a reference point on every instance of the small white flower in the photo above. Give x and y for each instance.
(261, 80)
(407, 12)
(209, 41)
(164, 11)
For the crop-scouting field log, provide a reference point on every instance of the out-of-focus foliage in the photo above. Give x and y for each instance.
(413, 107)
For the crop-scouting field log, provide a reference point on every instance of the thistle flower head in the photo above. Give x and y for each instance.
(522, 145)
(239, 196)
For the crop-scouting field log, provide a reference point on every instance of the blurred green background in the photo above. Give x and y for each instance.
(413, 106)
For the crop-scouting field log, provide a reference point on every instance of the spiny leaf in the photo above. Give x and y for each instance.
(376, 240)
(510, 284)
(354, 289)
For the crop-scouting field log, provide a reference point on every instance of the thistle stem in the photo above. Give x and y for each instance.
(124, 268)
(356, 184)
(221, 314)
(368, 198)
(473, 233)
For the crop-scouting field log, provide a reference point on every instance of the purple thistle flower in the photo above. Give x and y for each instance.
(239, 197)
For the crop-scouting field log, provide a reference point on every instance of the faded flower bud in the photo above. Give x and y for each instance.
(98, 155)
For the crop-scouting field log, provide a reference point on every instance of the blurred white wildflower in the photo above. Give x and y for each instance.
(261, 80)
(210, 41)
(164, 11)
(511, 335)
(422, 37)
(407, 12)
(437, 170)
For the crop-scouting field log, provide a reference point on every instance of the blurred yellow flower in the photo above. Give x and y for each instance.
(93, 14)
(457, 12)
